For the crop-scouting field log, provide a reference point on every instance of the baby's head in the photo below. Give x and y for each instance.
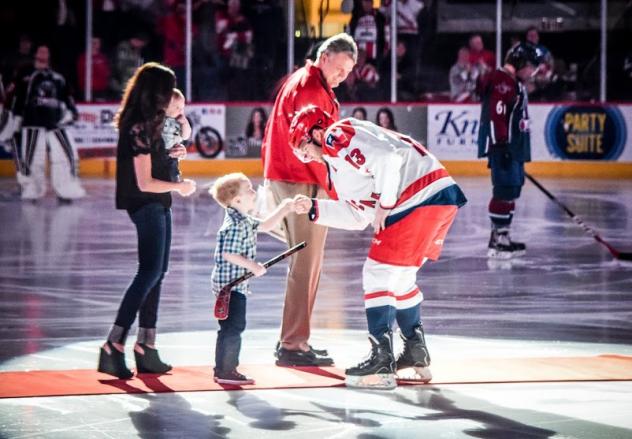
(176, 104)
(234, 190)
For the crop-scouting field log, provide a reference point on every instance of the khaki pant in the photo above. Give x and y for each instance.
(305, 266)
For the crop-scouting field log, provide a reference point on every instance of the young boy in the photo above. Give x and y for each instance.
(235, 254)
(175, 130)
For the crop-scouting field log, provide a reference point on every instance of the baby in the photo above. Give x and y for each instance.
(175, 130)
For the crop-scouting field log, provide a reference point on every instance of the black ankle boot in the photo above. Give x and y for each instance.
(150, 361)
(113, 363)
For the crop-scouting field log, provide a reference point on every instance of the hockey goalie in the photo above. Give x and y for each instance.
(389, 181)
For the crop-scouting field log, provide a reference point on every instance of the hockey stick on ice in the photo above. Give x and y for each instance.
(223, 298)
(624, 256)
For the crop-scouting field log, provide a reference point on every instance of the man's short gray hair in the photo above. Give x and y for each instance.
(339, 43)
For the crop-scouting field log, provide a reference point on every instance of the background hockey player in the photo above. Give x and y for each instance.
(392, 182)
(43, 105)
(504, 139)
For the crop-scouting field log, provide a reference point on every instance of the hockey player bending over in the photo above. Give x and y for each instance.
(504, 139)
(391, 181)
(43, 106)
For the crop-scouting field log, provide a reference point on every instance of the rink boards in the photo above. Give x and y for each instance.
(568, 139)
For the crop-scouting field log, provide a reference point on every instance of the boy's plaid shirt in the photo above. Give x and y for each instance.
(238, 234)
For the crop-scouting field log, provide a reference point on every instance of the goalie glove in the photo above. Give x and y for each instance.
(68, 117)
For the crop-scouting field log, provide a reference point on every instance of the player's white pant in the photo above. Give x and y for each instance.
(390, 285)
(390, 294)
(64, 164)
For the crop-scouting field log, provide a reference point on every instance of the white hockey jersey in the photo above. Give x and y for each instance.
(369, 165)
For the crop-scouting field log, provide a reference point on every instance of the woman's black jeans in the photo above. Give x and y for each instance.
(153, 226)
(228, 342)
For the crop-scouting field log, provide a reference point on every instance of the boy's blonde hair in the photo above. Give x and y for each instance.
(226, 188)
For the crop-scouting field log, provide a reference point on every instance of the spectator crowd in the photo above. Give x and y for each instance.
(238, 50)
(233, 42)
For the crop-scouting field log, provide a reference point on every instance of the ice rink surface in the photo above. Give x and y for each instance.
(63, 269)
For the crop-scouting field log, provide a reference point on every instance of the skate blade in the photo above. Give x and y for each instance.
(418, 374)
(380, 381)
(495, 254)
(500, 264)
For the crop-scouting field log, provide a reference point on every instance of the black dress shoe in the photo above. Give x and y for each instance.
(319, 352)
(113, 363)
(276, 349)
(150, 361)
(288, 358)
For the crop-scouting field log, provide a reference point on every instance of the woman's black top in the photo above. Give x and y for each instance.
(131, 143)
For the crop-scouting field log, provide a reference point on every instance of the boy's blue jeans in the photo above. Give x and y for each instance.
(229, 335)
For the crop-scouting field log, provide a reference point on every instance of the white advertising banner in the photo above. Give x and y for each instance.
(208, 124)
(453, 131)
(537, 121)
(627, 117)
(567, 131)
(558, 132)
(94, 129)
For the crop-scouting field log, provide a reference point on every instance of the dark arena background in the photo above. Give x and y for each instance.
(533, 345)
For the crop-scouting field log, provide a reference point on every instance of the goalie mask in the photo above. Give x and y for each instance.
(304, 122)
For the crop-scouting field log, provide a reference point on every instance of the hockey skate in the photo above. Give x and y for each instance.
(31, 189)
(72, 192)
(67, 188)
(378, 371)
(502, 247)
(414, 361)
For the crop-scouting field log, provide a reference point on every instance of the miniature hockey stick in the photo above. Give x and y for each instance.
(223, 298)
(624, 256)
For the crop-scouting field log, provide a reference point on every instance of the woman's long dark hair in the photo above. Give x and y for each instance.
(146, 97)
(250, 128)
(391, 118)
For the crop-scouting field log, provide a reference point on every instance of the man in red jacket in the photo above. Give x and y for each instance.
(287, 176)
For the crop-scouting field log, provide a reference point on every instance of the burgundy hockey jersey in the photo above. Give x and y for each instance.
(504, 124)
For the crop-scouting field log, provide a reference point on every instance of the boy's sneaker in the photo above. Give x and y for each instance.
(232, 377)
